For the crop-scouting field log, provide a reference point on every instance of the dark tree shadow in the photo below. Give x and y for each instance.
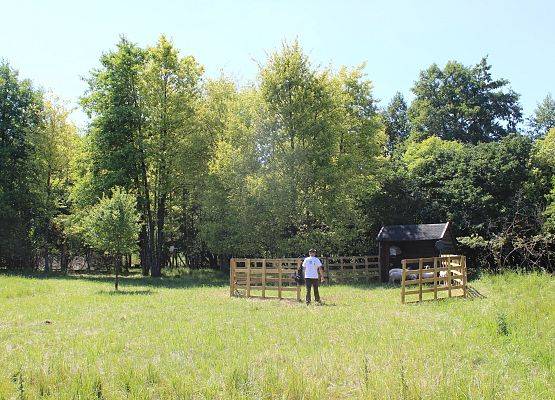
(185, 279)
(126, 292)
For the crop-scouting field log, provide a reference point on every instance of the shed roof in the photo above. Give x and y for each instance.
(399, 233)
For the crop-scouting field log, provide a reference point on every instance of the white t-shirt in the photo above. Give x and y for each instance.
(310, 265)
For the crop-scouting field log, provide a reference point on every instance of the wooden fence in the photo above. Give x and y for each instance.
(264, 278)
(341, 269)
(443, 277)
(274, 277)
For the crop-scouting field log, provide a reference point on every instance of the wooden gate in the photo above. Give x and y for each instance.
(264, 278)
(433, 278)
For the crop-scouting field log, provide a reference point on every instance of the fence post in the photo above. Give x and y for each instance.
(420, 272)
(366, 268)
(232, 276)
(279, 277)
(463, 271)
(435, 278)
(264, 278)
(403, 277)
(248, 262)
(449, 275)
(341, 266)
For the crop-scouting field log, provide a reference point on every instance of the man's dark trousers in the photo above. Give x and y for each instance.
(312, 282)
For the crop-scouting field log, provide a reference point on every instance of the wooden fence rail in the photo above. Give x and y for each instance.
(340, 269)
(274, 277)
(443, 276)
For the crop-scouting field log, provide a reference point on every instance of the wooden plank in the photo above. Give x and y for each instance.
(232, 277)
(366, 268)
(417, 260)
(430, 290)
(280, 283)
(420, 265)
(463, 264)
(449, 275)
(259, 271)
(270, 280)
(272, 295)
(356, 265)
(435, 278)
(351, 271)
(403, 279)
(264, 278)
(416, 272)
(413, 282)
(269, 288)
(248, 263)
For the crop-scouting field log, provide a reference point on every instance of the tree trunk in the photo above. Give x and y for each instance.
(147, 214)
(213, 261)
(143, 250)
(118, 262)
(160, 217)
(63, 258)
(46, 260)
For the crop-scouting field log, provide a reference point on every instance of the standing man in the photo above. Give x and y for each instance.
(313, 274)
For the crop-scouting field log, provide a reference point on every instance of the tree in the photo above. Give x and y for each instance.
(57, 147)
(116, 142)
(21, 111)
(292, 160)
(170, 89)
(544, 162)
(112, 226)
(549, 213)
(397, 125)
(463, 103)
(543, 119)
(478, 187)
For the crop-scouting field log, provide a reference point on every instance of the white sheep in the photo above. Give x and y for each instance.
(444, 275)
(396, 274)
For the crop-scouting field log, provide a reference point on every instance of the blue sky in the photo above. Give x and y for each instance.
(55, 43)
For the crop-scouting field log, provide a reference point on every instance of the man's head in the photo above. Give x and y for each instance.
(312, 252)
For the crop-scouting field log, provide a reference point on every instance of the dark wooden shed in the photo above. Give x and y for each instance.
(398, 242)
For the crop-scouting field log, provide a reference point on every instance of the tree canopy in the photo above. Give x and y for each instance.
(464, 103)
(304, 156)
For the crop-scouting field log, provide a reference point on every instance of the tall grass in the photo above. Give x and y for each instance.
(184, 337)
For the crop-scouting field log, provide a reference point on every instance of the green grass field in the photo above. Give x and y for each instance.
(184, 337)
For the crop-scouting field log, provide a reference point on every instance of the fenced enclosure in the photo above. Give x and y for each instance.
(434, 278)
(274, 277)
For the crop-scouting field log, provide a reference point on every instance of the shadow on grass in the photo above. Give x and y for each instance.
(183, 279)
(126, 292)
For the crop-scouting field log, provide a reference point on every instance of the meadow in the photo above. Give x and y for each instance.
(183, 337)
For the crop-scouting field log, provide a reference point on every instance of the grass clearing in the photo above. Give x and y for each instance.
(184, 337)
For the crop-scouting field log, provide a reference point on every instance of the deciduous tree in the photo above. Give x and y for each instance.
(463, 103)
